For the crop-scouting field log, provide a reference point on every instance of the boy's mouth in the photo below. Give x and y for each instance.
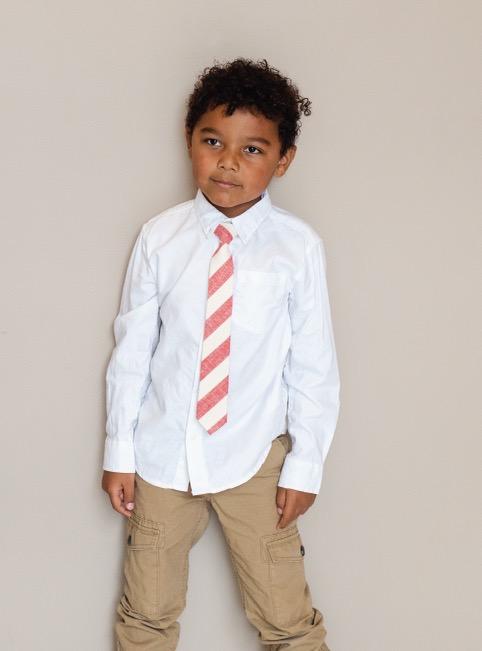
(225, 184)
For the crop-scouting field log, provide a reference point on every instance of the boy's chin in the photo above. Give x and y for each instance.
(224, 198)
(227, 198)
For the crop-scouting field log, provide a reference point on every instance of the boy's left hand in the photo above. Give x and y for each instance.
(292, 503)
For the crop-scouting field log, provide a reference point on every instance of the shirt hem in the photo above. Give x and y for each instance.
(215, 490)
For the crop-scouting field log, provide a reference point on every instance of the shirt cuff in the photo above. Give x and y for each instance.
(300, 475)
(119, 456)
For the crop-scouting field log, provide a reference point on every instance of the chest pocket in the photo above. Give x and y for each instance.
(259, 299)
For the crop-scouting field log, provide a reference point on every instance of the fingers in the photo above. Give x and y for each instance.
(280, 499)
(287, 518)
(117, 501)
(120, 488)
(287, 505)
(291, 503)
(129, 493)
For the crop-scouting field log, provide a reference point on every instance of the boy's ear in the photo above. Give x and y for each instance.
(187, 135)
(285, 161)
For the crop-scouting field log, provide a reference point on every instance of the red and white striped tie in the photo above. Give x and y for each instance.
(214, 372)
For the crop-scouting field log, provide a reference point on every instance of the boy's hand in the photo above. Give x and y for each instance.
(291, 503)
(120, 488)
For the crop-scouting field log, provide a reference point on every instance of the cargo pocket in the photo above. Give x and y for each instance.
(284, 553)
(144, 541)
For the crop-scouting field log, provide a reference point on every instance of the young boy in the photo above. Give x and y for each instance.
(223, 386)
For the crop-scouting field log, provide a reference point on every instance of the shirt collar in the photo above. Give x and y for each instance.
(245, 223)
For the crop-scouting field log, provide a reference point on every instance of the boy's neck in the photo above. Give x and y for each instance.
(234, 211)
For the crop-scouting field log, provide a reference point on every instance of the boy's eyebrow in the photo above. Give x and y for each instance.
(257, 138)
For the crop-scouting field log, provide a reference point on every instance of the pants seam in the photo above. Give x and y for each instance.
(186, 558)
(238, 577)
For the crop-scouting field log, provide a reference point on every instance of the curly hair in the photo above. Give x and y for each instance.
(256, 86)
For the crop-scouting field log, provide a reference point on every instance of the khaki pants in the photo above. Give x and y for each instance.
(268, 562)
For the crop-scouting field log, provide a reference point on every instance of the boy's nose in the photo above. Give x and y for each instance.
(228, 163)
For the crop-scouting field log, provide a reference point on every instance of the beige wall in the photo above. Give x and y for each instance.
(92, 100)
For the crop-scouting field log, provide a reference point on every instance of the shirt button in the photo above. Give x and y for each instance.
(302, 549)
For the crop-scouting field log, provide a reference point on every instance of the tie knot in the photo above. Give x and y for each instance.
(225, 232)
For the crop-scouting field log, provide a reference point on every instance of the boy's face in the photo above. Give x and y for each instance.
(241, 149)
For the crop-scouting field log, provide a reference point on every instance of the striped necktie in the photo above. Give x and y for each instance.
(214, 372)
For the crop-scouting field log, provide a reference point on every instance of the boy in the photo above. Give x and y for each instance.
(224, 332)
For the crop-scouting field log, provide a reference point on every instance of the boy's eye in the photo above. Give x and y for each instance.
(208, 140)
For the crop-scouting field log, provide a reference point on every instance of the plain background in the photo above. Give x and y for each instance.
(92, 99)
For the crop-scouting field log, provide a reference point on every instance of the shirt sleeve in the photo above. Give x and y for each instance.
(136, 333)
(311, 375)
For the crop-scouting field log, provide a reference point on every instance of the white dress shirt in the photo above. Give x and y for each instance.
(283, 372)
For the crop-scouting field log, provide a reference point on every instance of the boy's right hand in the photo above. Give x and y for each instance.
(120, 488)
